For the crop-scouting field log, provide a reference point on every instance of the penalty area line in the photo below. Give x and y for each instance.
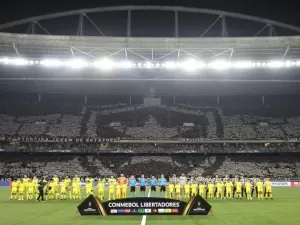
(144, 218)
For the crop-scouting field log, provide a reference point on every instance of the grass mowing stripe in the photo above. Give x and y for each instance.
(144, 218)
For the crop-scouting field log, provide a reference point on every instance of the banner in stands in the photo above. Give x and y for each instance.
(58, 139)
(295, 184)
(281, 184)
(144, 206)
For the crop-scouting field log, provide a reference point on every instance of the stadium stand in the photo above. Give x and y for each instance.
(275, 166)
(223, 121)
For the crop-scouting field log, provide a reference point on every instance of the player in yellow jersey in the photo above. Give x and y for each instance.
(238, 186)
(171, 188)
(268, 187)
(112, 180)
(229, 190)
(30, 189)
(194, 187)
(187, 191)
(220, 190)
(260, 187)
(14, 190)
(67, 183)
(21, 189)
(202, 189)
(118, 191)
(248, 187)
(211, 188)
(111, 191)
(51, 190)
(88, 188)
(178, 190)
(55, 185)
(25, 182)
(77, 181)
(101, 188)
(63, 190)
(75, 190)
(35, 183)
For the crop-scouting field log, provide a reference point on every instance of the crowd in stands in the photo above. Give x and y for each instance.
(275, 166)
(137, 121)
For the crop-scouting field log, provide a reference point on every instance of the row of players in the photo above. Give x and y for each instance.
(117, 188)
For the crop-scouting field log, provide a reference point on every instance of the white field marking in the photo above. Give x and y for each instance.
(144, 218)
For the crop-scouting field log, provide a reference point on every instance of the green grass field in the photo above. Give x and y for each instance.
(283, 209)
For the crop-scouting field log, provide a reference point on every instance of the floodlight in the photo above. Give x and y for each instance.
(125, 65)
(288, 63)
(275, 64)
(242, 64)
(190, 65)
(104, 64)
(148, 65)
(20, 62)
(170, 65)
(6, 61)
(51, 63)
(76, 63)
(220, 65)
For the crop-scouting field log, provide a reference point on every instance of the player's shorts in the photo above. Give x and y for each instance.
(162, 188)
(153, 188)
(101, 191)
(30, 191)
(112, 193)
(21, 192)
(238, 190)
(142, 188)
(75, 192)
(132, 189)
(201, 193)
(14, 190)
(259, 190)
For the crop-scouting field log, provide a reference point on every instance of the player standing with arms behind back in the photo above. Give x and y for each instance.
(132, 185)
(248, 187)
(153, 183)
(142, 181)
(182, 182)
(268, 186)
(260, 189)
(162, 184)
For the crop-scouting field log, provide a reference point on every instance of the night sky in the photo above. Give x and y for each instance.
(285, 11)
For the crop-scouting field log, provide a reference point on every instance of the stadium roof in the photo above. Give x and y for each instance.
(154, 49)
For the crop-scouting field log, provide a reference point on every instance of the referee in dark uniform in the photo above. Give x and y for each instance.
(41, 190)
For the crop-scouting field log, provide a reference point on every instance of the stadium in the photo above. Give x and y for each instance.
(207, 107)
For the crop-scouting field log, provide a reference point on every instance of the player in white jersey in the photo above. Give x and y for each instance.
(173, 179)
(182, 182)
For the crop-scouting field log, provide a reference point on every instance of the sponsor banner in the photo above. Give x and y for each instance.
(281, 184)
(91, 206)
(144, 206)
(4, 183)
(295, 184)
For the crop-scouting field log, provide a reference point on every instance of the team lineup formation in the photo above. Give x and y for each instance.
(126, 187)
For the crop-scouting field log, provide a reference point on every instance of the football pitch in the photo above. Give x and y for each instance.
(284, 209)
